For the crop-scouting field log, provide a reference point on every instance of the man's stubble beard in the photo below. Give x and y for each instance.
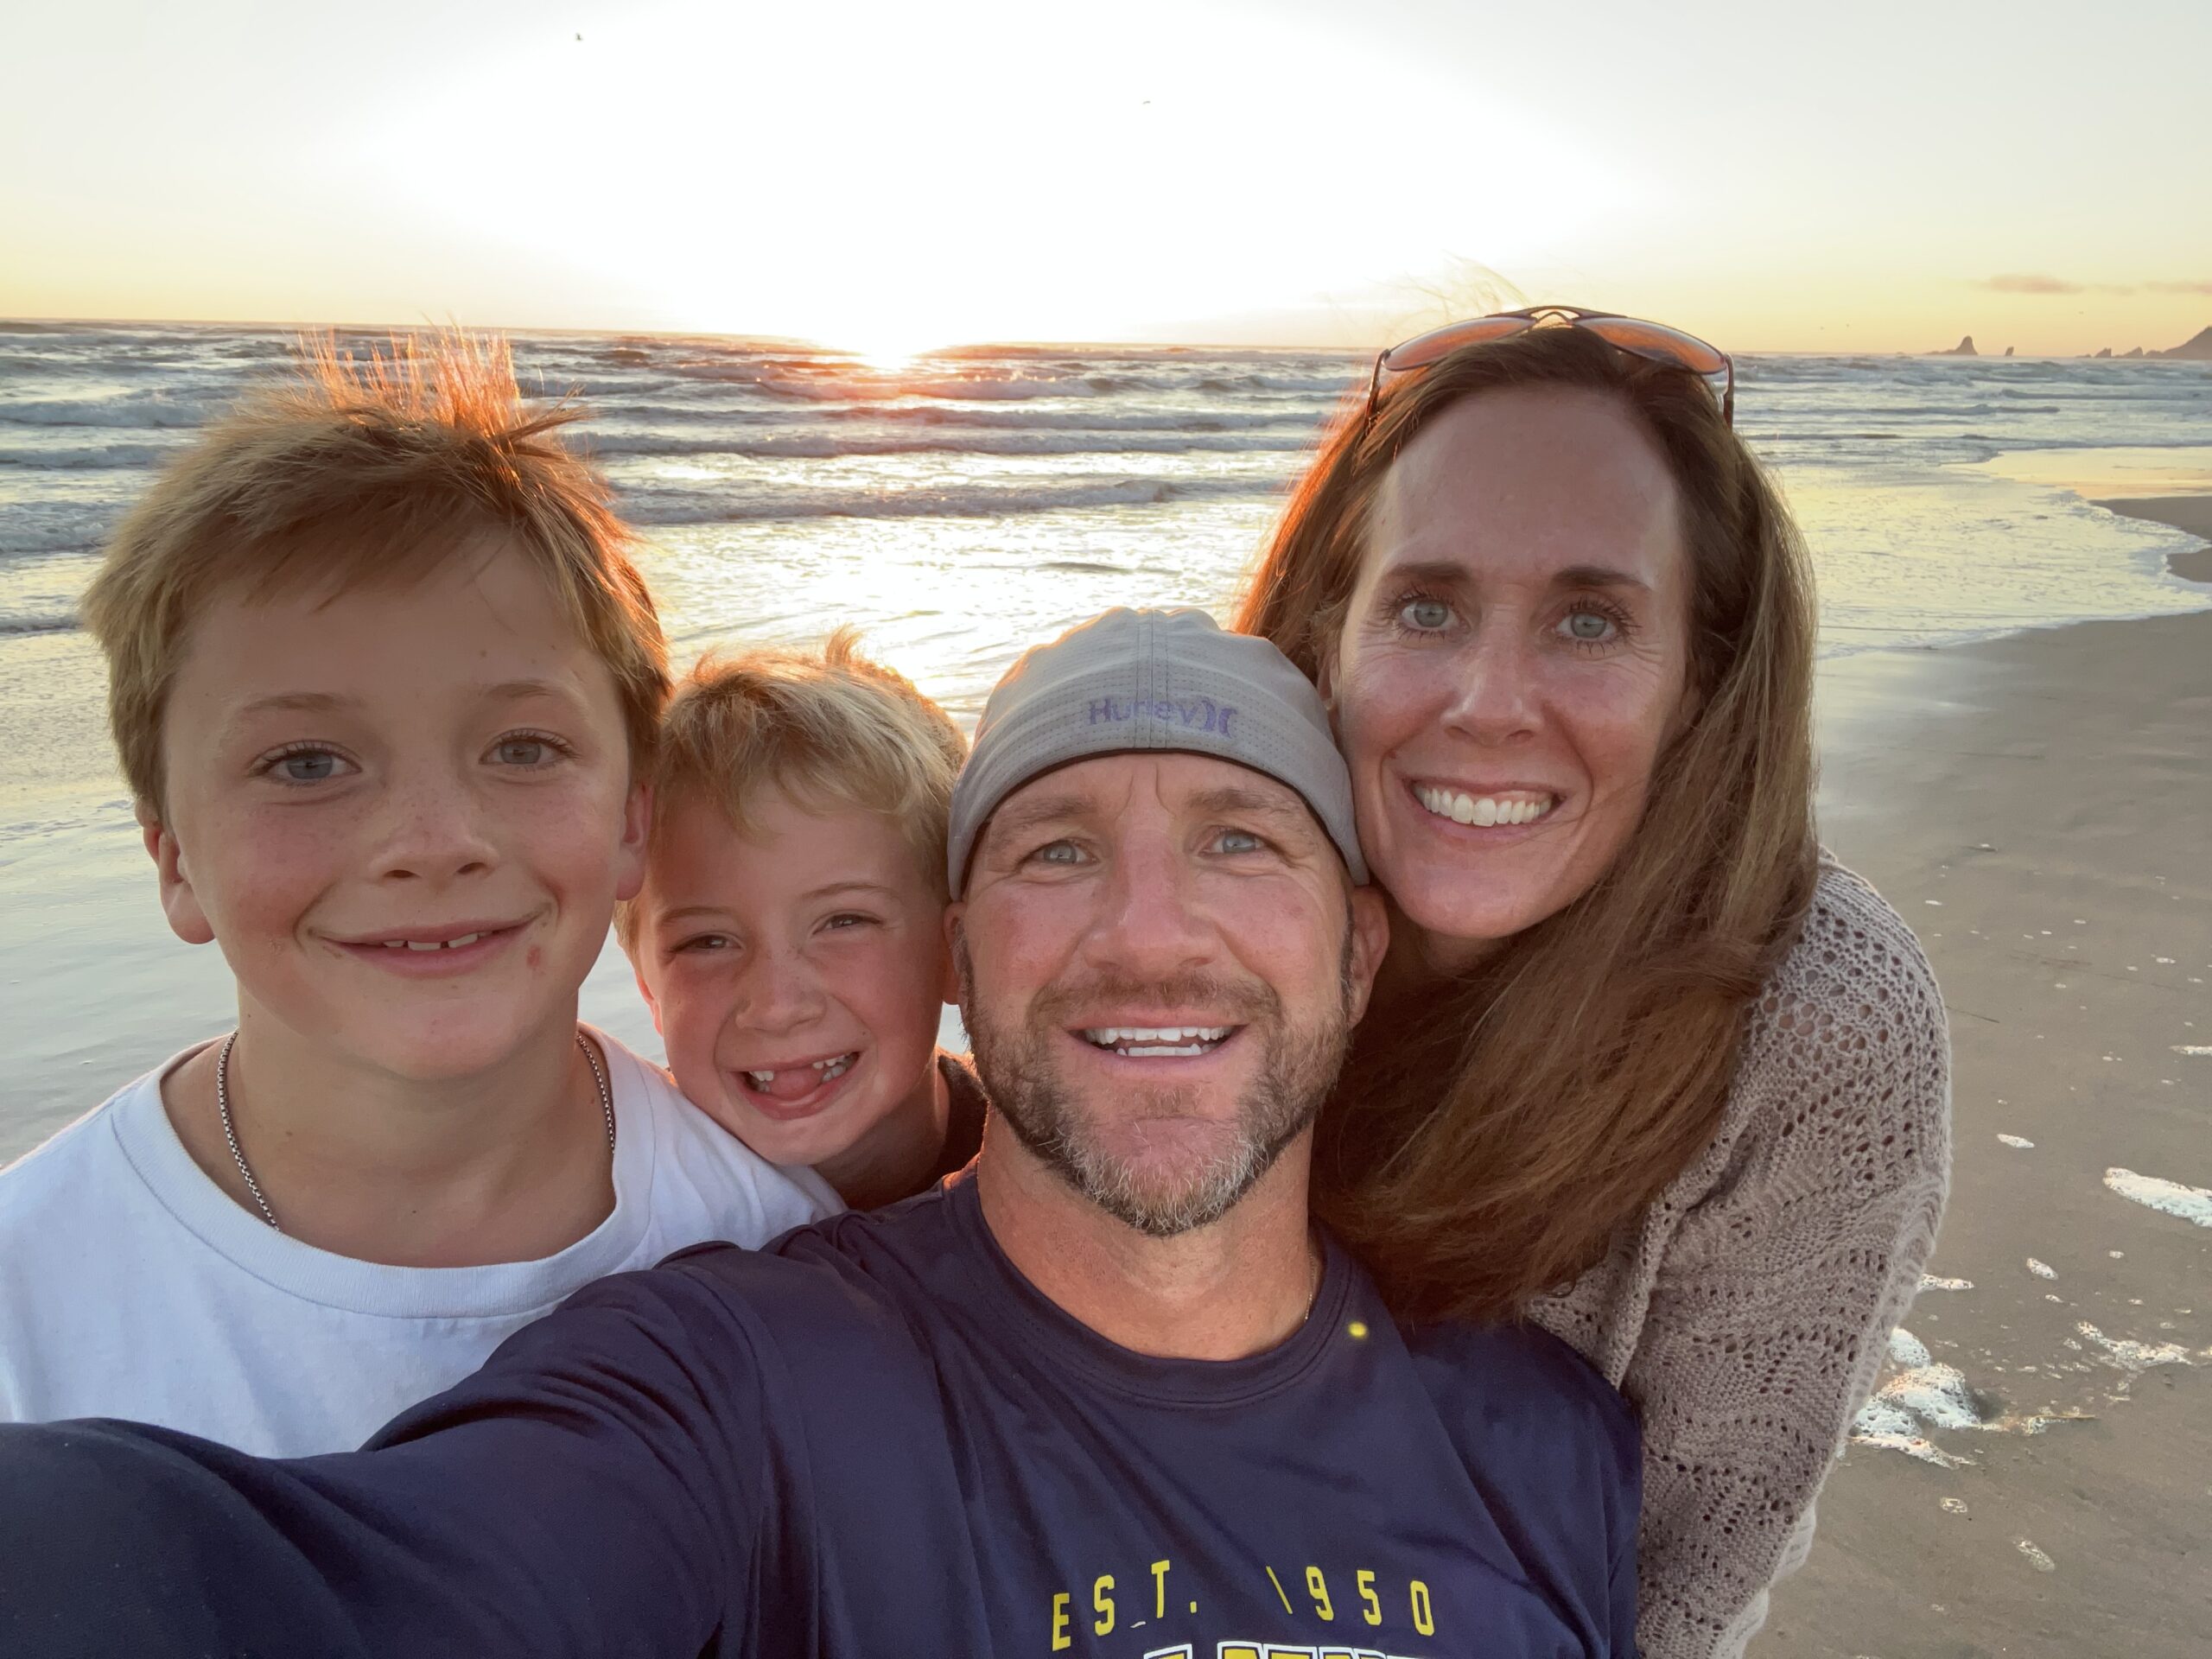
(1024, 1086)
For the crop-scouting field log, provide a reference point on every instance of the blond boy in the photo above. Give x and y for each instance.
(386, 687)
(790, 933)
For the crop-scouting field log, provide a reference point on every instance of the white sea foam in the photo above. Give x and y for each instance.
(2189, 1203)
(659, 505)
(828, 446)
(33, 622)
(2129, 1355)
(1925, 1396)
(141, 411)
(93, 456)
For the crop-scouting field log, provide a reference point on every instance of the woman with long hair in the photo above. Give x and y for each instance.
(1644, 1067)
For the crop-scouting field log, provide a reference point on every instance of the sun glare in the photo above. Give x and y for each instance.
(889, 351)
(1051, 230)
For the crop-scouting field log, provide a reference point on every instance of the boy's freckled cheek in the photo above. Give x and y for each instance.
(535, 956)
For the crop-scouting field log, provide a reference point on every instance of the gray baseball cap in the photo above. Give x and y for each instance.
(1159, 680)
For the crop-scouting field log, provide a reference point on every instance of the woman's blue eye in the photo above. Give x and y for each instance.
(1590, 628)
(308, 766)
(1425, 615)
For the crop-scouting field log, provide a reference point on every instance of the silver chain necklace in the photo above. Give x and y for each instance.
(230, 1133)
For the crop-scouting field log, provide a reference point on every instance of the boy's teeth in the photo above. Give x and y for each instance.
(1161, 1041)
(1483, 811)
(430, 944)
(835, 1066)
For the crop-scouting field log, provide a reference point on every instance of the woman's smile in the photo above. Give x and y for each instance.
(1476, 806)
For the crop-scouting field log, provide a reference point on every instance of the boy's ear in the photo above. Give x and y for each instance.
(949, 986)
(652, 1002)
(179, 903)
(637, 834)
(952, 989)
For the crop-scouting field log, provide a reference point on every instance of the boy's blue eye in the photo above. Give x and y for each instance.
(307, 763)
(308, 766)
(524, 751)
(708, 942)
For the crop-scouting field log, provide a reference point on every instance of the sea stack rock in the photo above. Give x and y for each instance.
(2198, 350)
(2138, 352)
(2008, 351)
(1964, 348)
(2106, 352)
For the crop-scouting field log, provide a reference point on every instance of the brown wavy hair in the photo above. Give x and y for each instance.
(1495, 1131)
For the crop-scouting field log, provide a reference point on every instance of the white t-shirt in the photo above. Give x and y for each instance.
(131, 1285)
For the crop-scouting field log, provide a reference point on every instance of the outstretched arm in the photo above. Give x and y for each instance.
(593, 1490)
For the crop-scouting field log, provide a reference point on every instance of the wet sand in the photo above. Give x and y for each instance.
(2040, 809)
(2192, 513)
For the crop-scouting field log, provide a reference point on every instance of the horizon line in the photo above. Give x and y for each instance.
(806, 343)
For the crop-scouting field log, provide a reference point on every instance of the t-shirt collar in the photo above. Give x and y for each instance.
(1185, 1382)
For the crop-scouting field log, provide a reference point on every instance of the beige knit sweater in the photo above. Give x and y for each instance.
(1748, 1313)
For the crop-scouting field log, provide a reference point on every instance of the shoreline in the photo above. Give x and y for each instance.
(2191, 514)
(2034, 805)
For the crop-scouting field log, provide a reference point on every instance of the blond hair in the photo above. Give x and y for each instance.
(831, 729)
(350, 472)
(1501, 1128)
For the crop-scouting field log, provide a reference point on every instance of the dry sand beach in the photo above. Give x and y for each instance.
(2040, 809)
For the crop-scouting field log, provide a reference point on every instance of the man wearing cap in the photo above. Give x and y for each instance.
(1108, 1392)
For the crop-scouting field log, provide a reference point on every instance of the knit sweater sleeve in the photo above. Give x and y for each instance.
(1771, 1307)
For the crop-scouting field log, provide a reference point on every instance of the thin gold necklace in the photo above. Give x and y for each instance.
(245, 1174)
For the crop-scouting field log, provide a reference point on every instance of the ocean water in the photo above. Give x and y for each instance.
(957, 509)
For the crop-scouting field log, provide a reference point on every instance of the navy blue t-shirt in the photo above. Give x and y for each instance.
(874, 1439)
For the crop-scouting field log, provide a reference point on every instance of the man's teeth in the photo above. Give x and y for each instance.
(1157, 1041)
(431, 944)
(835, 1066)
(1483, 811)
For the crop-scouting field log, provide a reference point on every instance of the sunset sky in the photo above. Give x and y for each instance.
(894, 174)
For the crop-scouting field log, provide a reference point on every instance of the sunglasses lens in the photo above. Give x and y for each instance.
(1439, 343)
(1654, 339)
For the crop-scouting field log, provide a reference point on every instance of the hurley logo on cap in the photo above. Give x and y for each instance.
(1200, 715)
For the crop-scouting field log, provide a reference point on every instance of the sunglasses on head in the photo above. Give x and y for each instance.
(1652, 341)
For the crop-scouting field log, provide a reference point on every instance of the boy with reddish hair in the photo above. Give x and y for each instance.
(385, 687)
